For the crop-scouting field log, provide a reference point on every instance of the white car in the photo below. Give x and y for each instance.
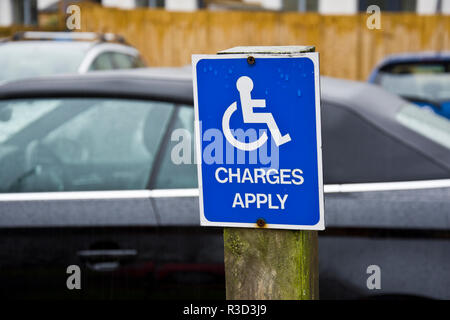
(32, 54)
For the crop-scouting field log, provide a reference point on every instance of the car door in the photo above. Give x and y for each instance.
(386, 205)
(75, 192)
(192, 261)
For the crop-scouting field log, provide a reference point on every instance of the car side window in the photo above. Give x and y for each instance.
(138, 62)
(122, 61)
(177, 168)
(103, 62)
(355, 151)
(87, 144)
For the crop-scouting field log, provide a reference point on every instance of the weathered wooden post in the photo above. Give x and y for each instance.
(271, 264)
(263, 260)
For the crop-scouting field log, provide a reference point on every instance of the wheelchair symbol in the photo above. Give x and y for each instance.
(245, 86)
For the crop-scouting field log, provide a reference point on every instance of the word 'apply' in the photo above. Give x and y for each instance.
(249, 199)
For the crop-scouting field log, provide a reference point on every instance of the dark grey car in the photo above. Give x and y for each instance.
(87, 179)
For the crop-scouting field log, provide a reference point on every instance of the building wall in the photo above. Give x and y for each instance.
(181, 5)
(429, 6)
(18, 12)
(42, 4)
(351, 6)
(446, 7)
(272, 4)
(6, 13)
(122, 4)
(426, 6)
(338, 7)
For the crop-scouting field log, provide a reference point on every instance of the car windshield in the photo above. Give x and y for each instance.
(425, 122)
(429, 82)
(38, 58)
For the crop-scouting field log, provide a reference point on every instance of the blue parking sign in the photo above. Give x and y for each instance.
(258, 140)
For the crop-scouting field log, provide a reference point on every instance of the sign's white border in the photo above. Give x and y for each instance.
(314, 57)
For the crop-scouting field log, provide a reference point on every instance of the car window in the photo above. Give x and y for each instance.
(84, 144)
(18, 114)
(356, 151)
(426, 123)
(177, 168)
(103, 62)
(417, 81)
(138, 62)
(122, 61)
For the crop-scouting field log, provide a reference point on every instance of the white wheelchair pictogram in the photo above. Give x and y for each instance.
(245, 86)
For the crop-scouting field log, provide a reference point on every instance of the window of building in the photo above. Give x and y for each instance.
(301, 5)
(389, 5)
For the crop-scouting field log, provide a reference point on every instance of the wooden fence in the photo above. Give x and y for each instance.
(6, 32)
(348, 49)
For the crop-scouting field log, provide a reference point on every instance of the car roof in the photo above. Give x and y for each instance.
(80, 45)
(133, 83)
(68, 36)
(83, 45)
(154, 82)
(370, 102)
(171, 84)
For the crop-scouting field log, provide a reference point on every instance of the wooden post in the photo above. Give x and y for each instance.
(265, 264)
(262, 264)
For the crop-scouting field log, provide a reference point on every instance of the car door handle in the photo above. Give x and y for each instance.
(106, 260)
(121, 254)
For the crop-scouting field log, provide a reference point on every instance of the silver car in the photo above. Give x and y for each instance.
(32, 54)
